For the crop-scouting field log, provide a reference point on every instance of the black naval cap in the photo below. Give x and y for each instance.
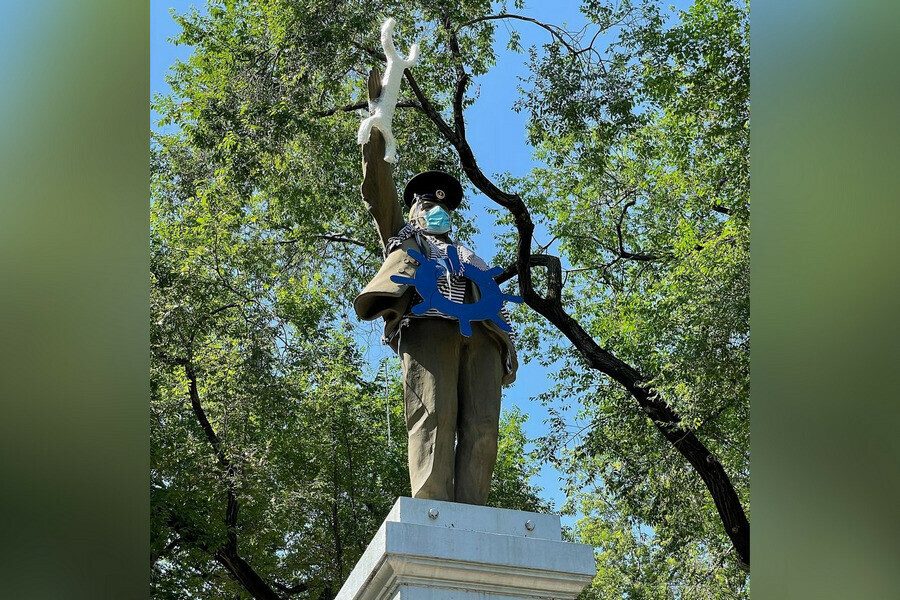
(435, 186)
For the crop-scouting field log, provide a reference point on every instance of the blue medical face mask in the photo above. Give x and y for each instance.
(437, 220)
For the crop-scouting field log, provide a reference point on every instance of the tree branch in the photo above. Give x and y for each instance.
(620, 253)
(554, 30)
(623, 253)
(222, 308)
(244, 574)
(554, 275)
(507, 274)
(364, 104)
(208, 430)
(718, 208)
(512, 202)
(338, 237)
(666, 420)
(621, 218)
(429, 109)
(155, 556)
(227, 554)
(291, 591)
(462, 80)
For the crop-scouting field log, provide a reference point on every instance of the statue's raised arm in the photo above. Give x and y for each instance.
(377, 139)
(378, 190)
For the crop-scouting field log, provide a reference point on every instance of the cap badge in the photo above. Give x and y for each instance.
(439, 194)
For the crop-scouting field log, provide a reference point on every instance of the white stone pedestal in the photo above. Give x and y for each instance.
(431, 550)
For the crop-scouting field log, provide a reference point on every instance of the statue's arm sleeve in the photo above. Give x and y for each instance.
(378, 190)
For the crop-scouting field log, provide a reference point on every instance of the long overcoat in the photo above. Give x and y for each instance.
(385, 298)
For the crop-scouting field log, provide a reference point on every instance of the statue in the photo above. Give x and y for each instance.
(442, 314)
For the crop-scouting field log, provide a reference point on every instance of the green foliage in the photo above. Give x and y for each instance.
(515, 466)
(259, 240)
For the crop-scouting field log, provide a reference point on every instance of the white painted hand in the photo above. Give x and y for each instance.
(390, 91)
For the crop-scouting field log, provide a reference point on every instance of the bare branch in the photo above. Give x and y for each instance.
(718, 208)
(222, 308)
(371, 51)
(429, 109)
(207, 427)
(623, 253)
(554, 275)
(342, 238)
(721, 209)
(292, 590)
(543, 248)
(667, 421)
(227, 555)
(462, 80)
(639, 256)
(363, 105)
(620, 253)
(507, 274)
(555, 31)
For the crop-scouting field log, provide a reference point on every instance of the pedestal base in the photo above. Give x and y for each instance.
(432, 550)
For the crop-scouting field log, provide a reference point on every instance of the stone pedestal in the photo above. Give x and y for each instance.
(431, 550)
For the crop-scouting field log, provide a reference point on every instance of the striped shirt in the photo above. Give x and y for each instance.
(452, 286)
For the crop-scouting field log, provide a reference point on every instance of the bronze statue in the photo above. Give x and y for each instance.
(452, 382)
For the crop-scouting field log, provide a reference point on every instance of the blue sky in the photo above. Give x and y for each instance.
(497, 136)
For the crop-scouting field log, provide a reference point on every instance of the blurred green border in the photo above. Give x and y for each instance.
(825, 159)
(74, 235)
(74, 249)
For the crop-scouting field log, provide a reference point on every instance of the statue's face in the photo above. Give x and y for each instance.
(426, 215)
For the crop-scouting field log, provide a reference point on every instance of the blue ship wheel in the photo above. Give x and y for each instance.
(425, 280)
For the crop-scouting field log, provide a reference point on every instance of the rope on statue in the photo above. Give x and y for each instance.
(383, 372)
(387, 404)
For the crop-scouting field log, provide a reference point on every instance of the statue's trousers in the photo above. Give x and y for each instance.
(451, 390)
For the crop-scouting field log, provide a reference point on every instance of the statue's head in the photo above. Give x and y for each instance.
(431, 197)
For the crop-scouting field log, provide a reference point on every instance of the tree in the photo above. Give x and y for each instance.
(259, 240)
